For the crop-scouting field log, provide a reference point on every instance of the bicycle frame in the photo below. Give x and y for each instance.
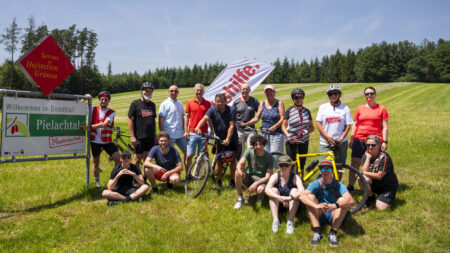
(330, 156)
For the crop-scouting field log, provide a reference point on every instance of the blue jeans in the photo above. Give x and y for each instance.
(181, 143)
(275, 143)
(195, 142)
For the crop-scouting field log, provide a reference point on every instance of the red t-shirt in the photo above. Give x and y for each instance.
(369, 121)
(196, 112)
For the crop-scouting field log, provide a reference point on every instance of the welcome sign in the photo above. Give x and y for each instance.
(42, 126)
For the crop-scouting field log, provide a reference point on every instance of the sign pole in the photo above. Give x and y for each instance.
(88, 148)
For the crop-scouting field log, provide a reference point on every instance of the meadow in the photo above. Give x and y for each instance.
(45, 206)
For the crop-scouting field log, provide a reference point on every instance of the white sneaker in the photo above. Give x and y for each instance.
(290, 227)
(276, 226)
(239, 202)
(97, 184)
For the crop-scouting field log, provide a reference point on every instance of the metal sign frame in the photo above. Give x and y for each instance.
(45, 157)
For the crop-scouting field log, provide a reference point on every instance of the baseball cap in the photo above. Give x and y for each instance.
(125, 153)
(325, 163)
(285, 159)
(269, 86)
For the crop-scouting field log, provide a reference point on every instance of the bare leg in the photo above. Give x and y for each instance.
(139, 192)
(274, 204)
(188, 161)
(110, 195)
(239, 180)
(356, 163)
(150, 174)
(382, 206)
(313, 214)
(96, 166)
(338, 217)
(116, 157)
(174, 178)
(293, 205)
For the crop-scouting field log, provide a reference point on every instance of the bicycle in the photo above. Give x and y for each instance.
(359, 195)
(198, 173)
(120, 143)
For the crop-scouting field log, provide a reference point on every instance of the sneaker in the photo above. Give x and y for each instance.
(316, 239)
(139, 200)
(219, 184)
(290, 227)
(115, 202)
(232, 184)
(332, 238)
(97, 184)
(153, 190)
(239, 202)
(276, 226)
(350, 188)
(169, 185)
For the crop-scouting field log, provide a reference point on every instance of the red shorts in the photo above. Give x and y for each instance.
(159, 174)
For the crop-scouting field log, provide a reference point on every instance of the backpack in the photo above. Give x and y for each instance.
(333, 188)
(252, 153)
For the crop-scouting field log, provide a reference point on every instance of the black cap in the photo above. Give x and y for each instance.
(125, 153)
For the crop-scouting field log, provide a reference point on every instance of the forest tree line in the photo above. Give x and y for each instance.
(381, 62)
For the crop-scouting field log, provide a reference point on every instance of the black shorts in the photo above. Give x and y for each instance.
(109, 147)
(232, 147)
(250, 179)
(358, 148)
(386, 196)
(126, 191)
(144, 145)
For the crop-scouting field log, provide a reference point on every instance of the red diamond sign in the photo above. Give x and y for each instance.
(45, 65)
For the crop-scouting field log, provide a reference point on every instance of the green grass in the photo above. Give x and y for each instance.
(44, 206)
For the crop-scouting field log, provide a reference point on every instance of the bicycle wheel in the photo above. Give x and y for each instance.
(361, 189)
(196, 176)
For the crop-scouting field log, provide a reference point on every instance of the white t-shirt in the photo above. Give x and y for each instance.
(173, 113)
(334, 120)
(98, 131)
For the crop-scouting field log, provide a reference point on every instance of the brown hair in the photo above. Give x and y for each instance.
(163, 134)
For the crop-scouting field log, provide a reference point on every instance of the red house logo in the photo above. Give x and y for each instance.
(46, 65)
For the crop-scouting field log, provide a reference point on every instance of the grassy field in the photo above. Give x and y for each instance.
(44, 206)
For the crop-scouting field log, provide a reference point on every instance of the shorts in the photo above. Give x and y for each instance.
(126, 191)
(159, 174)
(358, 148)
(144, 145)
(195, 143)
(386, 196)
(181, 143)
(97, 148)
(328, 218)
(233, 146)
(250, 179)
(340, 155)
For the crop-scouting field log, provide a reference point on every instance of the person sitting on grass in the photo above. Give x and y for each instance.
(327, 201)
(121, 186)
(284, 189)
(259, 169)
(167, 166)
(378, 170)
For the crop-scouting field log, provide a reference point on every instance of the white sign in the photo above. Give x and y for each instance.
(42, 126)
(229, 81)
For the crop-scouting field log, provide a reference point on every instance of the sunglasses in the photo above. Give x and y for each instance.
(371, 145)
(334, 94)
(329, 169)
(126, 157)
(173, 91)
(369, 93)
(298, 97)
(284, 165)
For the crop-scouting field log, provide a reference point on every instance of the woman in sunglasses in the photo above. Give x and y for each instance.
(378, 170)
(369, 119)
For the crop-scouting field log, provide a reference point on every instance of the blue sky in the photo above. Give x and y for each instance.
(143, 35)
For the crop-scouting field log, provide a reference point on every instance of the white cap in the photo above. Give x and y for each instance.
(269, 86)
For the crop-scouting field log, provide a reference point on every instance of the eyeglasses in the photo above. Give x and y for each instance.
(173, 91)
(371, 145)
(334, 94)
(284, 165)
(298, 97)
(326, 169)
(369, 94)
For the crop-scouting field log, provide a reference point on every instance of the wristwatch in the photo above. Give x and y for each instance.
(385, 142)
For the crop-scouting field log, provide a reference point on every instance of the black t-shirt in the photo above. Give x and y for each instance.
(221, 121)
(144, 114)
(124, 181)
(384, 163)
(245, 110)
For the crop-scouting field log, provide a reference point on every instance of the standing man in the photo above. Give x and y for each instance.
(333, 121)
(101, 132)
(171, 119)
(121, 187)
(167, 166)
(223, 119)
(245, 107)
(195, 110)
(141, 123)
(327, 201)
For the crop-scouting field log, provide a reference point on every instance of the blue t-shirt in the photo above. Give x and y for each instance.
(327, 195)
(221, 121)
(168, 161)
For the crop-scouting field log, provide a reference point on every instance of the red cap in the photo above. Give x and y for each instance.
(325, 163)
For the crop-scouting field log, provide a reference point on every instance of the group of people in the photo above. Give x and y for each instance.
(327, 200)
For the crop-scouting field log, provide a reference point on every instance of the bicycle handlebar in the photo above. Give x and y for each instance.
(210, 137)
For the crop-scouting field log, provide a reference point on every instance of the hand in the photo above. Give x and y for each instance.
(330, 207)
(272, 129)
(321, 208)
(383, 146)
(226, 142)
(330, 140)
(243, 124)
(165, 176)
(252, 187)
(134, 141)
(368, 155)
(350, 143)
(186, 135)
(161, 169)
(198, 131)
(285, 203)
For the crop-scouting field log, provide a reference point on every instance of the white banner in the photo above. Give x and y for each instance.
(42, 127)
(229, 81)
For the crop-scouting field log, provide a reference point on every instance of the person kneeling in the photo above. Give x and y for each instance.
(284, 189)
(327, 201)
(168, 163)
(259, 168)
(121, 187)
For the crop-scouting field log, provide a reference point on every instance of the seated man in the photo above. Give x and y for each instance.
(259, 169)
(378, 171)
(327, 201)
(168, 163)
(121, 187)
(284, 189)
